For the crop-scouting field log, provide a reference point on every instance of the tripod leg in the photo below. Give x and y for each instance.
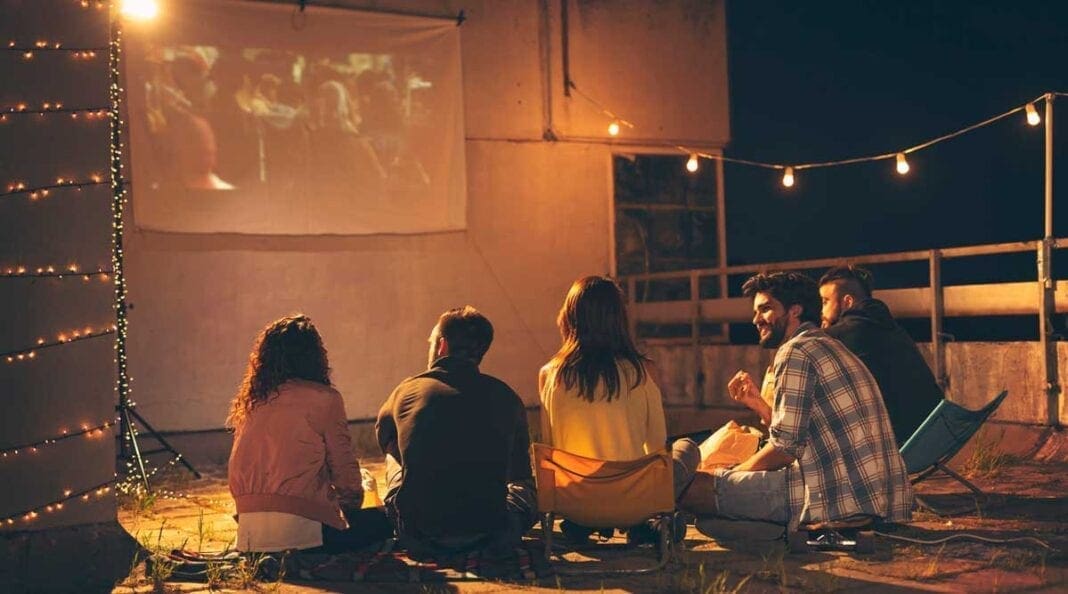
(170, 448)
(136, 449)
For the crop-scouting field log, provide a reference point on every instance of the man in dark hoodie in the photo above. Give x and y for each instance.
(865, 326)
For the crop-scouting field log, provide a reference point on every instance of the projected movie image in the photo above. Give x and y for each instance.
(280, 141)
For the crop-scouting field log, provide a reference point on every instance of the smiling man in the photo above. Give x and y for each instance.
(830, 453)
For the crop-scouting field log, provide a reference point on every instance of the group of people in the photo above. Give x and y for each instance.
(457, 445)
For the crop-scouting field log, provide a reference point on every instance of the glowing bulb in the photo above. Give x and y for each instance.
(788, 177)
(692, 164)
(902, 164)
(613, 129)
(140, 10)
(1032, 114)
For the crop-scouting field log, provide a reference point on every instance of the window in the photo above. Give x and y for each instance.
(666, 220)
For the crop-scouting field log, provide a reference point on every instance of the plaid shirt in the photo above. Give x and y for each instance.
(830, 416)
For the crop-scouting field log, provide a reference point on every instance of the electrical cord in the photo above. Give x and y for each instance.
(967, 536)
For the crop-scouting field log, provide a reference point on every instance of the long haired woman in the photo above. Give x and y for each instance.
(292, 472)
(598, 395)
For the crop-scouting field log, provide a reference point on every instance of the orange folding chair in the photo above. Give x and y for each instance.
(604, 493)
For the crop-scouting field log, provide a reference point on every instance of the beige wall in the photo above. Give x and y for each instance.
(538, 216)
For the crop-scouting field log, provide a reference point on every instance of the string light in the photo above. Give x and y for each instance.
(58, 272)
(692, 163)
(1032, 114)
(85, 113)
(36, 192)
(902, 164)
(32, 448)
(788, 177)
(76, 335)
(29, 51)
(28, 515)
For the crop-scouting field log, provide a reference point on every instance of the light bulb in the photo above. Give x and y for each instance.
(902, 164)
(613, 128)
(1032, 114)
(788, 177)
(140, 10)
(692, 164)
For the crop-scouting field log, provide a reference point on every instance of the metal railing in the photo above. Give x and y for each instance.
(935, 300)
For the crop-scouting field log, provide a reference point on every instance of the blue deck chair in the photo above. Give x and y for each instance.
(941, 436)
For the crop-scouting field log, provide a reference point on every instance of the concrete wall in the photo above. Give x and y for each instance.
(977, 371)
(67, 386)
(538, 216)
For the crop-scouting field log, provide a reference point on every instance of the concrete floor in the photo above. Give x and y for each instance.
(1029, 499)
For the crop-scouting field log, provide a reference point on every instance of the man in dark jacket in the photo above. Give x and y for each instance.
(865, 326)
(456, 446)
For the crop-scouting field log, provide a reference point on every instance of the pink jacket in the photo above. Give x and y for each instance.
(293, 454)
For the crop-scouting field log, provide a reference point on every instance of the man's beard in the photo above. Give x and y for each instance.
(776, 334)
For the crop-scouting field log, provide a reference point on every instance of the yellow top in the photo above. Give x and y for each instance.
(628, 427)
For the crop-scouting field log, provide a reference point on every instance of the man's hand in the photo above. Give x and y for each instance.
(744, 390)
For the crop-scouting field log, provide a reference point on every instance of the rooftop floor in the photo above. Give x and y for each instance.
(1027, 499)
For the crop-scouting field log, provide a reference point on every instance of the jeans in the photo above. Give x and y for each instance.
(752, 495)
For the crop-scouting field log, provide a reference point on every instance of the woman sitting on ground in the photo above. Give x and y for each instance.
(292, 472)
(598, 397)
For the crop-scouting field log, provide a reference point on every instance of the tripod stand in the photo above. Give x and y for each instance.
(129, 448)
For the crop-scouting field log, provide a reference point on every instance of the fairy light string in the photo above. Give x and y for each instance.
(49, 108)
(34, 447)
(30, 353)
(27, 516)
(36, 192)
(71, 271)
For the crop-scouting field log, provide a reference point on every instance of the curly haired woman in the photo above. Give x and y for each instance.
(292, 472)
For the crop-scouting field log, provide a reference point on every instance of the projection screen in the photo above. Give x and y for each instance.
(250, 117)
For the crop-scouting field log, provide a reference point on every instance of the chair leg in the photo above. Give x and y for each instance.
(667, 539)
(547, 534)
(960, 479)
(922, 503)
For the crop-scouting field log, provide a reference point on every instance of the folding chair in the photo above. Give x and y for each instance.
(941, 436)
(604, 493)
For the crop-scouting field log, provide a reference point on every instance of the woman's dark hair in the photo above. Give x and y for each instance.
(289, 348)
(593, 326)
(788, 288)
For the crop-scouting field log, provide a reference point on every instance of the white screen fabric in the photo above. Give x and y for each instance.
(250, 117)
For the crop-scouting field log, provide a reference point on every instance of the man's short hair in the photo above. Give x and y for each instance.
(467, 332)
(788, 288)
(851, 280)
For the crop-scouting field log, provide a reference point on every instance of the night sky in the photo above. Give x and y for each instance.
(817, 81)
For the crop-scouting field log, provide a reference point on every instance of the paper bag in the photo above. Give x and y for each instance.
(730, 445)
